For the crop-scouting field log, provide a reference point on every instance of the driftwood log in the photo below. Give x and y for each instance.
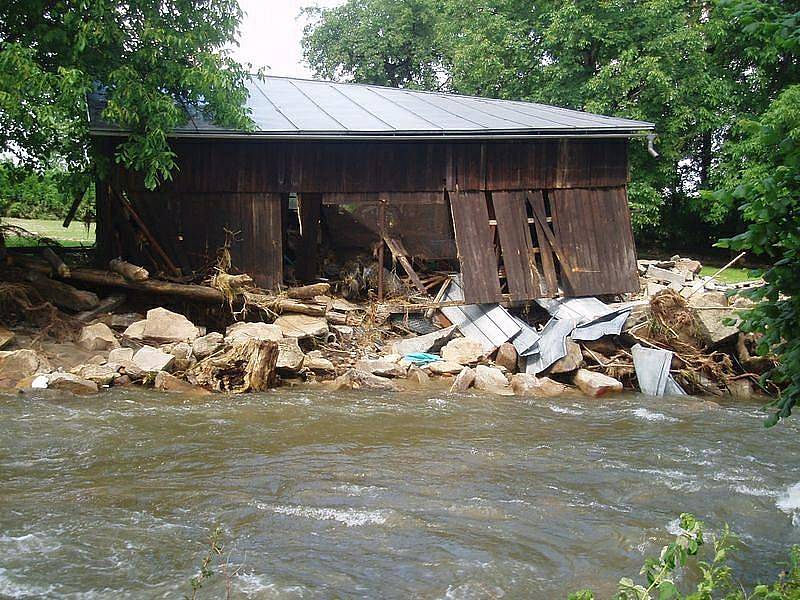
(62, 294)
(128, 270)
(55, 261)
(247, 367)
(308, 292)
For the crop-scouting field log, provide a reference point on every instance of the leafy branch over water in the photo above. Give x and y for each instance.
(717, 578)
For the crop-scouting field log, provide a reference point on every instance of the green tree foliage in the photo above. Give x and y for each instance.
(378, 42)
(154, 58)
(681, 64)
(31, 195)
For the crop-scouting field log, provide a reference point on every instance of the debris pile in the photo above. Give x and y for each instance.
(678, 336)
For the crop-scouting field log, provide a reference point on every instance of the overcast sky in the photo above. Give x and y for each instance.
(271, 32)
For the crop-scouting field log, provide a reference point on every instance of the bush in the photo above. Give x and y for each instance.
(28, 195)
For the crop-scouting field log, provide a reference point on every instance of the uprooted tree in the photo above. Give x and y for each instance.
(153, 59)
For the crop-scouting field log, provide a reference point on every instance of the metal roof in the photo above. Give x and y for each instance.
(283, 107)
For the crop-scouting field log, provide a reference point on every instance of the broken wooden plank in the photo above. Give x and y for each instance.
(128, 270)
(516, 244)
(475, 244)
(399, 253)
(550, 287)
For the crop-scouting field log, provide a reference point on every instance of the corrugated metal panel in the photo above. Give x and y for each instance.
(283, 106)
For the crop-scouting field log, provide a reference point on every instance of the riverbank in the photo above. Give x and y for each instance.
(673, 338)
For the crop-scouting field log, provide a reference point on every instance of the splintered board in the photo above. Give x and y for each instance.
(475, 243)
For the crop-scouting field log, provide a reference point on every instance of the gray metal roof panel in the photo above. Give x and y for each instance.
(288, 107)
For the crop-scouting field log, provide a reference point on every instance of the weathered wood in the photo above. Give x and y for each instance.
(55, 261)
(247, 367)
(73, 209)
(309, 209)
(62, 294)
(307, 292)
(128, 270)
(475, 244)
(536, 200)
(151, 240)
(517, 246)
(107, 305)
(594, 232)
(399, 253)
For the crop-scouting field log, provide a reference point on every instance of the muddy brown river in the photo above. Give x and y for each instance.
(371, 495)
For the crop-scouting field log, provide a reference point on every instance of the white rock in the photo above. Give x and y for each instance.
(180, 350)
(120, 355)
(443, 367)
(423, 343)
(290, 356)
(71, 383)
(241, 332)
(381, 368)
(39, 382)
(319, 364)
(464, 380)
(491, 379)
(302, 326)
(596, 384)
(16, 365)
(463, 351)
(525, 384)
(100, 374)
(135, 331)
(97, 337)
(162, 325)
(207, 344)
(152, 360)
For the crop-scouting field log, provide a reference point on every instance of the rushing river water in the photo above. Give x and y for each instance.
(424, 495)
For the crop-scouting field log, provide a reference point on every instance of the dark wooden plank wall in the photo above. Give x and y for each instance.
(192, 232)
(378, 167)
(519, 258)
(594, 230)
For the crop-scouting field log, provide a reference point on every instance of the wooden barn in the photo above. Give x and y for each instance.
(529, 199)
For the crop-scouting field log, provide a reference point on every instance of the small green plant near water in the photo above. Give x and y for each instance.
(211, 564)
(716, 577)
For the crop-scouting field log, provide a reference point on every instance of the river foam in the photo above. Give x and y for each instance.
(349, 516)
(789, 502)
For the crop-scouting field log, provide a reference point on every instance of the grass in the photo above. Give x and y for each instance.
(76, 234)
(732, 274)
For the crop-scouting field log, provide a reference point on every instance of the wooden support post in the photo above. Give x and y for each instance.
(382, 230)
(309, 209)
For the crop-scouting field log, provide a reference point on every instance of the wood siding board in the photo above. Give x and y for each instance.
(475, 248)
(516, 245)
(536, 201)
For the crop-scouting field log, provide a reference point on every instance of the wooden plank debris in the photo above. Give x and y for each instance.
(401, 255)
(475, 244)
(517, 247)
(536, 201)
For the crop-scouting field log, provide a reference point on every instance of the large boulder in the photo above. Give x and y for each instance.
(318, 364)
(97, 337)
(99, 374)
(431, 342)
(355, 379)
(6, 337)
(445, 367)
(569, 363)
(526, 384)
(207, 344)
(68, 382)
(166, 382)
(241, 332)
(290, 356)
(463, 351)
(164, 326)
(417, 375)
(120, 355)
(152, 360)
(381, 368)
(506, 357)
(491, 379)
(16, 365)
(596, 384)
(135, 331)
(463, 380)
(302, 326)
(712, 327)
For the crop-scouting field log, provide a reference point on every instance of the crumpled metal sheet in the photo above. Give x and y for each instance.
(490, 324)
(552, 345)
(652, 371)
(580, 310)
(610, 324)
(527, 340)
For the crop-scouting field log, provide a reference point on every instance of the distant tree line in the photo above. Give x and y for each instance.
(694, 68)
